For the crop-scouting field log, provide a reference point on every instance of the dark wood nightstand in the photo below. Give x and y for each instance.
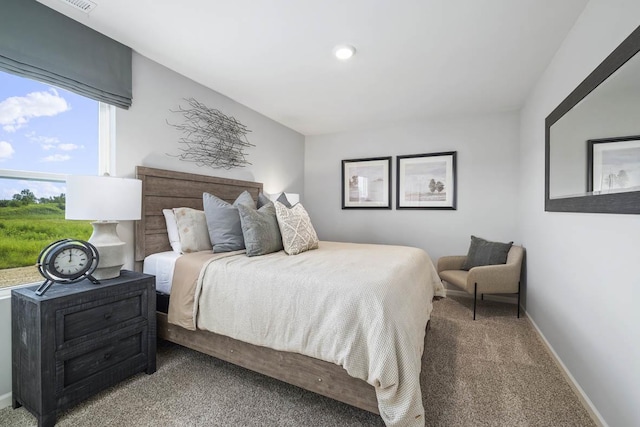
(78, 339)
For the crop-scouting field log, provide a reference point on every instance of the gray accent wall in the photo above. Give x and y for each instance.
(487, 175)
(144, 138)
(583, 283)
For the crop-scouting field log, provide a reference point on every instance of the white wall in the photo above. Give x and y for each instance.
(583, 283)
(487, 174)
(143, 136)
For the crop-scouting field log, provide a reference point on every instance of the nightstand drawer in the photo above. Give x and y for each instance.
(98, 360)
(83, 320)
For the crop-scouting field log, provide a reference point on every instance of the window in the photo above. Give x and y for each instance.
(46, 133)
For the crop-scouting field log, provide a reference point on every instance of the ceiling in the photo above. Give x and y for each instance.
(415, 58)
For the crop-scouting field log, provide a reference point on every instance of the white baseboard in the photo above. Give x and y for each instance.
(582, 396)
(5, 400)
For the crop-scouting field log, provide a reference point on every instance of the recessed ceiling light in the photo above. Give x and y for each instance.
(344, 52)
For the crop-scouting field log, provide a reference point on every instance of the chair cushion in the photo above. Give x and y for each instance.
(484, 252)
(456, 277)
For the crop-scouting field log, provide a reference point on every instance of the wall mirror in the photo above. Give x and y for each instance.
(592, 154)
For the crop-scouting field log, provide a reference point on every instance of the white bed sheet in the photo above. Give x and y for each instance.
(162, 266)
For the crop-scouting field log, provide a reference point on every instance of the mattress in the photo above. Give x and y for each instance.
(162, 265)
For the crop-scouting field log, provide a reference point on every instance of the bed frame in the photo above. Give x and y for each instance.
(162, 189)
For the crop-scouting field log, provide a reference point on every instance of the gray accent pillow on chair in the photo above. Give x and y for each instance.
(260, 229)
(484, 252)
(223, 221)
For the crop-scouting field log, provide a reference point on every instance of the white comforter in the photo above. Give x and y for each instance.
(363, 307)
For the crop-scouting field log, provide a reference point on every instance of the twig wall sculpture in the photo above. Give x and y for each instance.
(211, 138)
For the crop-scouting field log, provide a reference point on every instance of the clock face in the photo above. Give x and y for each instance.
(70, 261)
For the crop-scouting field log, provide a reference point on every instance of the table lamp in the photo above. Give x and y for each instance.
(106, 200)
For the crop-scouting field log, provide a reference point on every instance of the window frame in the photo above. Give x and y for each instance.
(106, 163)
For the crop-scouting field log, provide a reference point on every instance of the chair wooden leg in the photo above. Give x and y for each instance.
(518, 300)
(481, 297)
(475, 297)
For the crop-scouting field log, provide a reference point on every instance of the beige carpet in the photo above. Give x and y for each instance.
(491, 372)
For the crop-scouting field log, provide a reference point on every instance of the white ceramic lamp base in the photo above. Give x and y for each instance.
(110, 248)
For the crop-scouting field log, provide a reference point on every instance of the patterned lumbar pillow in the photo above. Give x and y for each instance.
(192, 228)
(298, 235)
(260, 229)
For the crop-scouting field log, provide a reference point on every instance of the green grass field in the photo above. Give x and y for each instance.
(26, 230)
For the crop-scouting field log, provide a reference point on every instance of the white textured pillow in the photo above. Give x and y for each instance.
(172, 230)
(192, 228)
(298, 235)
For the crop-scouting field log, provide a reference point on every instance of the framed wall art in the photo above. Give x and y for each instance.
(613, 165)
(426, 181)
(366, 183)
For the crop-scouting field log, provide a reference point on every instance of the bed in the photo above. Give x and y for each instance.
(164, 189)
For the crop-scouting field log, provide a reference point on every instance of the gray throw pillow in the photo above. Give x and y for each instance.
(484, 252)
(260, 229)
(263, 200)
(223, 221)
(282, 198)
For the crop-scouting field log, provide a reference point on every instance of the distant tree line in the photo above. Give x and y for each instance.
(26, 197)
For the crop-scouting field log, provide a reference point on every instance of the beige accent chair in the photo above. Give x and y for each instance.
(486, 279)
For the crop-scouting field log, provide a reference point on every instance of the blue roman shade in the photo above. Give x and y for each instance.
(39, 43)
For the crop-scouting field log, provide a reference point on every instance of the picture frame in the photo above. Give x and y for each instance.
(426, 181)
(366, 183)
(613, 165)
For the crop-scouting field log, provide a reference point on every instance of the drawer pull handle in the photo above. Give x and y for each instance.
(107, 356)
(107, 316)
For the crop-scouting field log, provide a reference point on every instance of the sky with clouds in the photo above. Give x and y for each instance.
(45, 129)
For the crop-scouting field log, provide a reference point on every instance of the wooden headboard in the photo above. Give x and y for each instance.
(164, 189)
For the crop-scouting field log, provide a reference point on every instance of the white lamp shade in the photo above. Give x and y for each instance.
(103, 198)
